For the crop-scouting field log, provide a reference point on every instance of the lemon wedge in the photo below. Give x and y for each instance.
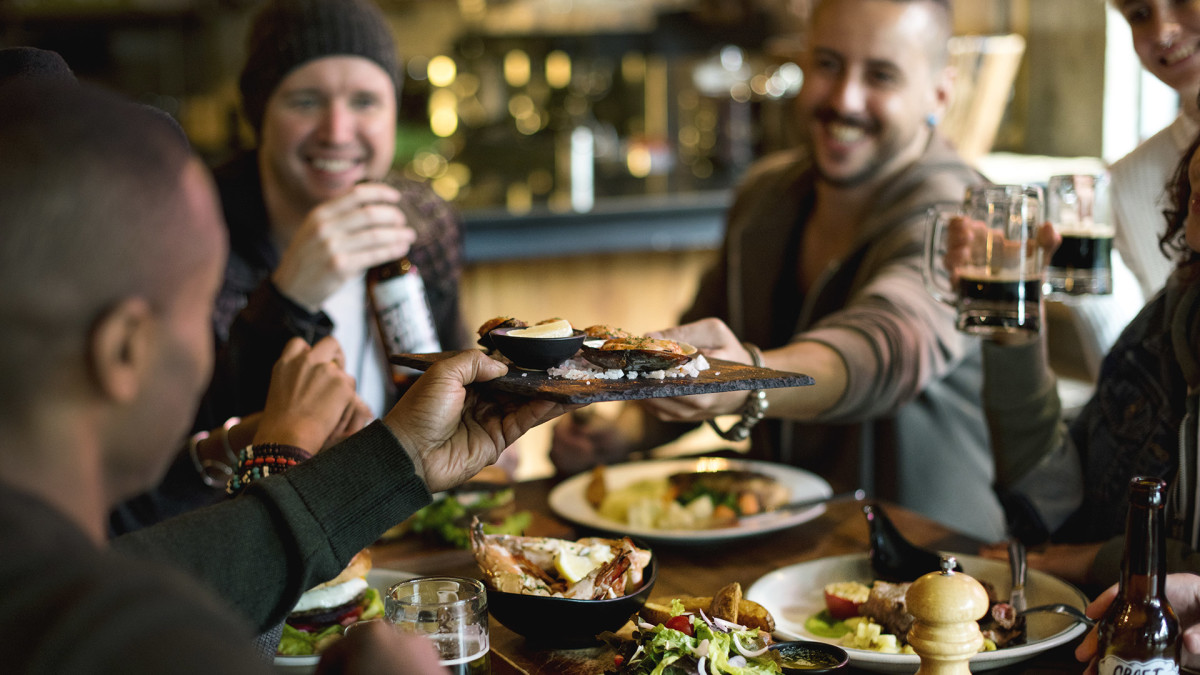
(573, 567)
(554, 329)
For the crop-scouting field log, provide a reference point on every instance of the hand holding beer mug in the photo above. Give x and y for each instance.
(983, 259)
(1077, 206)
(450, 611)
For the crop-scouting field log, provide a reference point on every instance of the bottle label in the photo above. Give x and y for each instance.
(404, 315)
(1115, 665)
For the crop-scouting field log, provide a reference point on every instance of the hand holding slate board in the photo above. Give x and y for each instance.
(720, 376)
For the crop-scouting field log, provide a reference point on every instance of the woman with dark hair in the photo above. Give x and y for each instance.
(1180, 242)
(1067, 487)
(1175, 242)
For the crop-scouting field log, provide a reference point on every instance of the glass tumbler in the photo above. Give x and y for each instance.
(450, 611)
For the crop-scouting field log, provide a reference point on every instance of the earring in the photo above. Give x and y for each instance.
(931, 120)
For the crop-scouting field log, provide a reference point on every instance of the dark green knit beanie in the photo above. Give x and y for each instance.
(286, 34)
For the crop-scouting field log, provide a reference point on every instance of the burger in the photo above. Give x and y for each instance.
(322, 614)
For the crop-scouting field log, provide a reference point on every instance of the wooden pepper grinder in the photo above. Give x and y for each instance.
(946, 607)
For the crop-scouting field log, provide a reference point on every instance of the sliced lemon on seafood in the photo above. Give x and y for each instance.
(559, 328)
(573, 567)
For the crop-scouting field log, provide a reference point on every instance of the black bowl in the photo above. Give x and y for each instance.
(563, 622)
(810, 656)
(536, 353)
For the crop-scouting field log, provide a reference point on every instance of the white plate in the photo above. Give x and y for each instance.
(793, 594)
(380, 580)
(568, 500)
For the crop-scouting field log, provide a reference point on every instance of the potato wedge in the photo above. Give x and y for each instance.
(753, 615)
(597, 489)
(750, 614)
(725, 603)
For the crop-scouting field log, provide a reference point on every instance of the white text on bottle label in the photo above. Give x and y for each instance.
(1115, 665)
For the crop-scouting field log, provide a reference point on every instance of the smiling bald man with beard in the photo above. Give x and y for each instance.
(820, 273)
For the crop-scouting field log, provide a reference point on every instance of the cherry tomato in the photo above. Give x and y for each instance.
(681, 623)
(840, 608)
(618, 659)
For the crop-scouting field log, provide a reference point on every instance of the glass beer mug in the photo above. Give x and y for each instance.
(1078, 207)
(995, 284)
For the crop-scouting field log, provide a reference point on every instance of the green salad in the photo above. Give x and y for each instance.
(448, 519)
(690, 644)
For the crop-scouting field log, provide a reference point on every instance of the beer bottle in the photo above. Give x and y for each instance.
(1139, 635)
(397, 296)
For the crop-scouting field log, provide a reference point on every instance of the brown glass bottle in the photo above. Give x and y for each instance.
(396, 292)
(1139, 635)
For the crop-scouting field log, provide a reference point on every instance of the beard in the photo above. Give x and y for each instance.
(888, 146)
(864, 175)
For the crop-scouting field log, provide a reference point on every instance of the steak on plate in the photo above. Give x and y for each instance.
(886, 607)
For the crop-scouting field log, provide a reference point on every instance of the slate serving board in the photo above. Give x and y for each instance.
(720, 376)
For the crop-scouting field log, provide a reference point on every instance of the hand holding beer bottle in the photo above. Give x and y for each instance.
(1139, 633)
(1183, 592)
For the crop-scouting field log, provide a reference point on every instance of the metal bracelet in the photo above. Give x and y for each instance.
(213, 473)
(193, 451)
(753, 410)
(229, 451)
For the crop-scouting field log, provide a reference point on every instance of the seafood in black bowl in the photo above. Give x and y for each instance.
(542, 588)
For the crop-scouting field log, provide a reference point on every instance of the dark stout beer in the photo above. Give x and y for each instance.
(1140, 632)
(996, 304)
(1084, 251)
(1083, 262)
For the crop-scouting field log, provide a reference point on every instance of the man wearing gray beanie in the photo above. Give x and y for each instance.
(318, 204)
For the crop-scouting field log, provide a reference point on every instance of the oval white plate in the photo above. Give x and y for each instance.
(568, 498)
(793, 594)
(380, 580)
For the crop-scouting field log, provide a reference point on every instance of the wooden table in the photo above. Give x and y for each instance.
(695, 571)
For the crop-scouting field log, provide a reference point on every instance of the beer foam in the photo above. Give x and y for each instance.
(1096, 231)
(985, 275)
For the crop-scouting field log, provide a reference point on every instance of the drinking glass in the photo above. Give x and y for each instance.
(996, 288)
(1077, 205)
(452, 612)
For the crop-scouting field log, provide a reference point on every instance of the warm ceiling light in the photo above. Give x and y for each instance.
(558, 69)
(442, 71)
(516, 68)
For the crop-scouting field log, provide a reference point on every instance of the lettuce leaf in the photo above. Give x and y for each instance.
(300, 643)
(668, 651)
(445, 518)
(373, 605)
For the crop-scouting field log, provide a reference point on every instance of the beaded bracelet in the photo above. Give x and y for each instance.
(262, 460)
(753, 411)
